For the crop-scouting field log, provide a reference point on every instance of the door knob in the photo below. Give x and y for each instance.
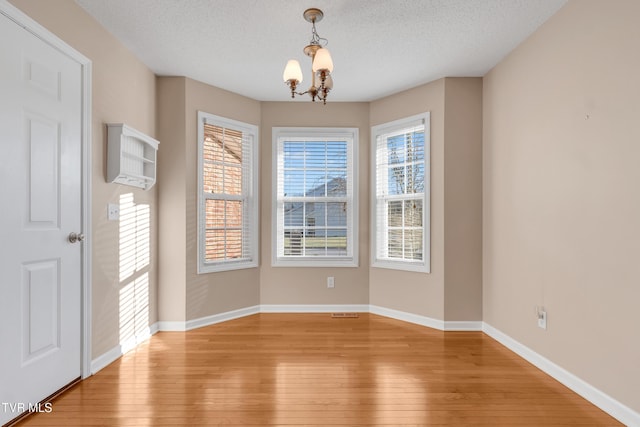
(76, 237)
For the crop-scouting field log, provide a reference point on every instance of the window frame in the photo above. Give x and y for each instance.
(250, 196)
(351, 136)
(397, 126)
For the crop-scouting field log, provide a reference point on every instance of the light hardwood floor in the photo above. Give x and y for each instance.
(310, 369)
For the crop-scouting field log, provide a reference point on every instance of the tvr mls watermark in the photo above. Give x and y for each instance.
(20, 407)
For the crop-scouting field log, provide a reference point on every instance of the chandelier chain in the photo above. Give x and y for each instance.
(315, 37)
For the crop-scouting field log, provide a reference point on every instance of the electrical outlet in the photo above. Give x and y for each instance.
(542, 318)
(113, 212)
(331, 283)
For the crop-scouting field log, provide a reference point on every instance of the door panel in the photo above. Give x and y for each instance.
(41, 309)
(44, 165)
(41, 197)
(42, 78)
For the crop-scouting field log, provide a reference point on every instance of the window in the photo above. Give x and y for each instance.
(315, 211)
(400, 187)
(227, 194)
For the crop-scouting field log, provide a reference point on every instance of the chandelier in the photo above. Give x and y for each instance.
(321, 63)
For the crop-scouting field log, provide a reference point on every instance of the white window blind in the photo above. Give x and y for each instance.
(400, 217)
(227, 181)
(314, 204)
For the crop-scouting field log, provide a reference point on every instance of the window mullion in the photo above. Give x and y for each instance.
(218, 196)
(304, 234)
(404, 232)
(226, 240)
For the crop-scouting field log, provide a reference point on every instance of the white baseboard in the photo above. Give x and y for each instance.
(622, 413)
(116, 352)
(178, 326)
(221, 317)
(105, 359)
(407, 317)
(462, 325)
(314, 308)
(264, 308)
(172, 326)
(442, 325)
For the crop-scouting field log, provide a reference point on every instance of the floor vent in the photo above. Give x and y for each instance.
(344, 315)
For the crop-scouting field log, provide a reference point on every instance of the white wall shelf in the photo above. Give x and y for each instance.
(131, 156)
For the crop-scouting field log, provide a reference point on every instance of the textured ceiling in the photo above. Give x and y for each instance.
(379, 47)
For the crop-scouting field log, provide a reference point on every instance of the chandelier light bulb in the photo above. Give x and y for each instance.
(322, 61)
(292, 71)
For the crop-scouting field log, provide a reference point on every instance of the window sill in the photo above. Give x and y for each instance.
(307, 262)
(420, 267)
(226, 266)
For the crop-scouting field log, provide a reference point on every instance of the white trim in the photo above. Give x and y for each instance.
(407, 317)
(26, 22)
(314, 308)
(221, 317)
(105, 359)
(116, 352)
(154, 328)
(621, 412)
(178, 326)
(429, 322)
(418, 267)
(87, 311)
(466, 326)
(134, 341)
(326, 262)
(172, 326)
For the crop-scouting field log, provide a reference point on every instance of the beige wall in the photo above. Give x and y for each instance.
(283, 285)
(561, 205)
(463, 199)
(123, 90)
(187, 295)
(214, 293)
(172, 195)
(412, 292)
(452, 291)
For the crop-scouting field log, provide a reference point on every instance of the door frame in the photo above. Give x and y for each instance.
(23, 20)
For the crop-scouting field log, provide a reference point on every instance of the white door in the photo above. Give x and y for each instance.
(40, 205)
